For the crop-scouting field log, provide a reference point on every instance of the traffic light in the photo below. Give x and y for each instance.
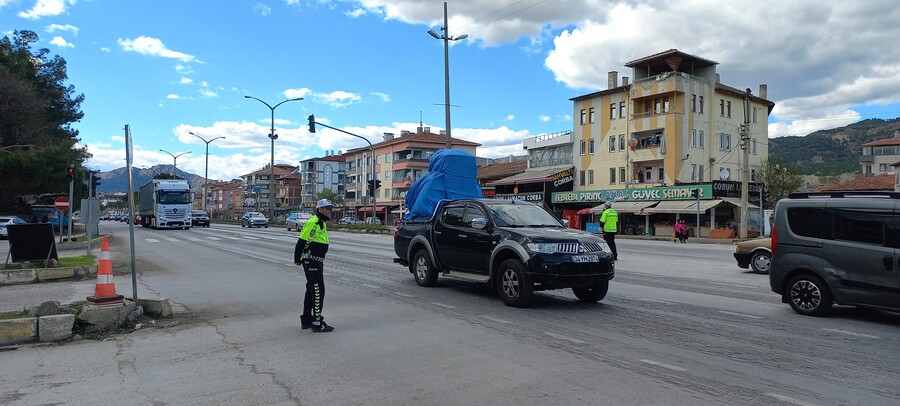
(70, 172)
(377, 184)
(95, 181)
(371, 184)
(312, 123)
(695, 193)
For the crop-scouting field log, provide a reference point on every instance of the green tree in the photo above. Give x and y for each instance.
(780, 180)
(37, 108)
(327, 193)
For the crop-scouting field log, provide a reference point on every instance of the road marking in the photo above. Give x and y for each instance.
(446, 306)
(233, 238)
(371, 286)
(195, 239)
(495, 320)
(739, 314)
(343, 279)
(404, 294)
(250, 238)
(850, 333)
(270, 238)
(213, 238)
(173, 239)
(151, 240)
(660, 364)
(731, 285)
(562, 337)
(655, 301)
(789, 399)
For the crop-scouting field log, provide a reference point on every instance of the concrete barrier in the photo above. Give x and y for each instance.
(18, 331)
(56, 327)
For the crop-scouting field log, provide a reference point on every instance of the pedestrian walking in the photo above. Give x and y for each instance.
(310, 253)
(610, 220)
(681, 232)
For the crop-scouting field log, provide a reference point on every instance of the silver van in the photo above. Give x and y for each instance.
(837, 248)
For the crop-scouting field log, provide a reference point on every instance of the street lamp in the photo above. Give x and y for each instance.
(272, 136)
(446, 37)
(206, 170)
(175, 160)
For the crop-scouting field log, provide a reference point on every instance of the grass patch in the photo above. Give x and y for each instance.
(77, 306)
(14, 315)
(84, 260)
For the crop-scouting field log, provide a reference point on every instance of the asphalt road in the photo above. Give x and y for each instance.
(682, 325)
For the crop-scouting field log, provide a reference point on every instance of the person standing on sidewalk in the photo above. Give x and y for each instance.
(310, 252)
(610, 220)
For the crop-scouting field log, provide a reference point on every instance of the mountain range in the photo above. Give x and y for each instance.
(116, 180)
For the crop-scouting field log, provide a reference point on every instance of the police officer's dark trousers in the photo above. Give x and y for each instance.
(610, 238)
(315, 291)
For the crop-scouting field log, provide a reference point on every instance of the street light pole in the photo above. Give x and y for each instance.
(206, 168)
(175, 160)
(447, 38)
(273, 137)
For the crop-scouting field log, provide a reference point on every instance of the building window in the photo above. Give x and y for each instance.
(701, 139)
(694, 137)
(612, 111)
(753, 175)
(722, 107)
(592, 115)
(700, 174)
(724, 142)
(728, 109)
(648, 174)
(581, 178)
(700, 98)
(583, 116)
(869, 169)
(387, 174)
(666, 104)
(755, 110)
(591, 146)
(694, 103)
(590, 177)
(693, 172)
(377, 159)
(612, 176)
(387, 157)
(656, 105)
(621, 109)
(753, 146)
(582, 147)
(612, 143)
(661, 175)
(621, 142)
(622, 174)
(882, 167)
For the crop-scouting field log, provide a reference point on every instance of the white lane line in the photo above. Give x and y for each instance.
(213, 238)
(655, 301)
(789, 399)
(173, 239)
(495, 320)
(446, 306)
(562, 337)
(233, 238)
(343, 279)
(151, 240)
(850, 333)
(250, 238)
(194, 239)
(371, 286)
(271, 238)
(731, 285)
(664, 365)
(405, 294)
(750, 316)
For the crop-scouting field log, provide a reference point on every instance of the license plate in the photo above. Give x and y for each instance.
(585, 258)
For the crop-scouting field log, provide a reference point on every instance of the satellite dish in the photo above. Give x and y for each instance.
(724, 174)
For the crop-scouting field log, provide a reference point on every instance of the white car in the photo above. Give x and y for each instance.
(7, 220)
(254, 219)
(373, 220)
(297, 220)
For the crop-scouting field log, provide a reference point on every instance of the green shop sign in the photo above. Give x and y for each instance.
(653, 193)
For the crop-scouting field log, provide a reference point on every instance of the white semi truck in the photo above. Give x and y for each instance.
(165, 203)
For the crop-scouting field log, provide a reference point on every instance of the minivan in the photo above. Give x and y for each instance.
(837, 248)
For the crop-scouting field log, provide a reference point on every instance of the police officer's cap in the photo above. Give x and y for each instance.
(324, 203)
(608, 203)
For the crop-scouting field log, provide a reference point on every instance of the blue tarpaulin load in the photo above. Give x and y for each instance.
(451, 175)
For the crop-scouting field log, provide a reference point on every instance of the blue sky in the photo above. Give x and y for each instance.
(168, 68)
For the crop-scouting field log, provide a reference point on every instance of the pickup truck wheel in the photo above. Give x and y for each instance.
(423, 270)
(593, 293)
(513, 284)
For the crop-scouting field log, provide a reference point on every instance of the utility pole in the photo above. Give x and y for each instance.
(745, 175)
(446, 38)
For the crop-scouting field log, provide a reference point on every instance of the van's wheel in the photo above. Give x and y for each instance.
(760, 262)
(594, 293)
(153, 223)
(423, 270)
(809, 295)
(513, 284)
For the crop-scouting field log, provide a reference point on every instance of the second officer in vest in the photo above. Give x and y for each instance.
(310, 252)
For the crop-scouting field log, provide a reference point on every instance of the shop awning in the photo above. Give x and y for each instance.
(368, 209)
(683, 206)
(626, 207)
(542, 174)
(737, 202)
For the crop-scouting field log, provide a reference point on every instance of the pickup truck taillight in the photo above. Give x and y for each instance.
(774, 241)
(396, 231)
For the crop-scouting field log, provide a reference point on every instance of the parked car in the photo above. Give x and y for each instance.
(754, 254)
(254, 219)
(373, 220)
(8, 220)
(199, 218)
(296, 220)
(836, 247)
(350, 220)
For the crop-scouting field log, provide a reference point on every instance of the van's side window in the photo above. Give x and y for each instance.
(868, 228)
(808, 222)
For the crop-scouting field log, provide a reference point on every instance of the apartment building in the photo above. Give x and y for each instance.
(879, 157)
(318, 174)
(397, 163)
(258, 187)
(225, 198)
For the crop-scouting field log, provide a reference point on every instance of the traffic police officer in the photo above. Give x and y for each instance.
(310, 252)
(610, 220)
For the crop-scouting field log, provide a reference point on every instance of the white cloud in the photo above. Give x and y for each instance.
(338, 98)
(57, 27)
(511, 117)
(153, 47)
(544, 118)
(295, 93)
(262, 9)
(105, 49)
(46, 8)
(61, 42)
(383, 96)
(355, 13)
(186, 81)
(206, 92)
(173, 96)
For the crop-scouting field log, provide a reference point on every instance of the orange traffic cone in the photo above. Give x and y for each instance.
(105, 292)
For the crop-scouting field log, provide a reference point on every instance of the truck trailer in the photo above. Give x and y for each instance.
(165, 203)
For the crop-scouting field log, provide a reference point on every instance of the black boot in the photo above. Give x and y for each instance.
(321, 327)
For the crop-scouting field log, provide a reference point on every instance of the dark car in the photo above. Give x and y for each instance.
(518, 247)
(199, 218)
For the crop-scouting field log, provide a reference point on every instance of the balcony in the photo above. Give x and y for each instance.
(867, 159)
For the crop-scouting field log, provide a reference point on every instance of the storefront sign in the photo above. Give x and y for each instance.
(562, 178)
(655, 193)
(726, 188)
(528, 197)
(488, 191)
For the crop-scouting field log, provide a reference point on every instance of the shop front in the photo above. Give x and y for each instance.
(535, 185)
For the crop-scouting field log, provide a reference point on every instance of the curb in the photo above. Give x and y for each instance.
(36, 275)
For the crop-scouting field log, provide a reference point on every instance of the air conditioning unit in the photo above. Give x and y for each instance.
(408, 156)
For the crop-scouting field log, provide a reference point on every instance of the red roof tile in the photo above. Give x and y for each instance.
(881, 143)
(880, 182)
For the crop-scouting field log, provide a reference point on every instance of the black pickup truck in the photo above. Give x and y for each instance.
(516, 246)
